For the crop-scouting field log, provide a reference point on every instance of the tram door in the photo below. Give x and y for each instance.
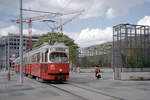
(44, 65)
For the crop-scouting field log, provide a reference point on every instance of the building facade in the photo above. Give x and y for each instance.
(89, 52)
(10, 45)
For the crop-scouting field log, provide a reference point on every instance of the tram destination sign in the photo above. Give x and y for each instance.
(60, 49)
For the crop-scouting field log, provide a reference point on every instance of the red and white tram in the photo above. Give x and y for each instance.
(48, 62)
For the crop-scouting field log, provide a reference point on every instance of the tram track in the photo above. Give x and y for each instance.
(94, 90)
(68, 88)
(55, 86)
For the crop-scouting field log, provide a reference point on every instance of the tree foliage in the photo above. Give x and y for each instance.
(59, 37)
(135, 57)
(101, 61)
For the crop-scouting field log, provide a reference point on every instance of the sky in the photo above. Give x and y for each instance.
(93, 26)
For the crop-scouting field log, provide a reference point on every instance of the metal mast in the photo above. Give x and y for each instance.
(21, 44)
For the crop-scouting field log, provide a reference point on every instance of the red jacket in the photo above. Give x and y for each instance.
(96, 69)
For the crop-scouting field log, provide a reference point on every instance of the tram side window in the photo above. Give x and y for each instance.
(28, 58)
(23, 60)
(32, 58)
(42, 57)
(46, 56)
(38, 57)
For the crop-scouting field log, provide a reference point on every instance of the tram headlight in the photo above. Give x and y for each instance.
(60, 70)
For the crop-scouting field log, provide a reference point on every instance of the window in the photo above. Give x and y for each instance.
(38, 57)
(42, 57)
(32, 58)
(57, 57)
(46, 55)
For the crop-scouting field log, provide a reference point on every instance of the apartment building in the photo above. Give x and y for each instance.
(9, 45)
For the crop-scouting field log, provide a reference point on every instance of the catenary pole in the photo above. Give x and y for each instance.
(8, 54)
(8, 63)
(21, 44)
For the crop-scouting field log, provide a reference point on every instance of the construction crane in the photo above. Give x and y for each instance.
(41, 17)
(61, 25)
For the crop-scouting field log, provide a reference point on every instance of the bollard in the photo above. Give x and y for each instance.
(8, 76)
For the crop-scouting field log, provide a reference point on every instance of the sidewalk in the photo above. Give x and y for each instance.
(29, 90)
(14, 90)
(33, 90)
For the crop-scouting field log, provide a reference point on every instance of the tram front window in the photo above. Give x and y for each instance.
(58, 57)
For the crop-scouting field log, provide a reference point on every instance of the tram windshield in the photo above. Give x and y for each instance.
(57, 57)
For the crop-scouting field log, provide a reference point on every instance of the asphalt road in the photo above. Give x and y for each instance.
(81, 86)
(127, 90)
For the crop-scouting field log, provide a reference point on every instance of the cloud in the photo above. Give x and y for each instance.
(6, 30)
(111, 13)
(35, 32)
(109, 8)
(93, 8)
(73, 35)
(2, 24)
(9, 7)
(89, 37)
(144, 21)
(14, 29)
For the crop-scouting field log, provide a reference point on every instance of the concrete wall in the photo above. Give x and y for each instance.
(91, 70)
(135, 69)
(135, 76)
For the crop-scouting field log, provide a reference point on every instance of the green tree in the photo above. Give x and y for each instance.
(93, 64)
(131, 58)
(88, 63)
(59, 37)
(123, 60)
(101, 61)
(84, 62)
(135, 56)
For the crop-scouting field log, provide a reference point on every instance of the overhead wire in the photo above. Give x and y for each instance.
(66, 5)
(61, 21)
(39, 11)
